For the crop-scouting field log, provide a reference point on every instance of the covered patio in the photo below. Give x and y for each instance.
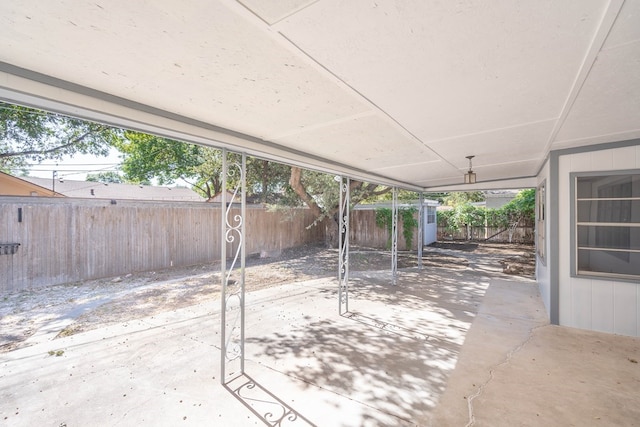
(448, 347)
(396, 93)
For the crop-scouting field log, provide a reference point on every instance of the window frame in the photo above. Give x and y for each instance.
(541, 224)
(431, 215)
(575, 271)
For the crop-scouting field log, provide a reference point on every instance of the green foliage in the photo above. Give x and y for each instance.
(445, 219)
(268, 180)
(403, 196)
(440, 197)
(384, 219)
(458, 198)
(521, 207)
(525, 203)
(470, 215)
(462, 216)
(111, 177)
(27, 134)
(149, 157)
(409, 223)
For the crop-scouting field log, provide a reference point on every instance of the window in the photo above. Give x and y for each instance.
(431, 214)
(606, 234)
(540, 222)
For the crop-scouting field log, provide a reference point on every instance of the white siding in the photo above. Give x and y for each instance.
(542, 269)
(602, 305)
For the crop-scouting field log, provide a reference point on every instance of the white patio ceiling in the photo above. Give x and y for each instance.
(391, 91)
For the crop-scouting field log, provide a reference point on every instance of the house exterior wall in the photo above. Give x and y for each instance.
(496, 201)
(543, 274)
(602, 305)
(12, 186)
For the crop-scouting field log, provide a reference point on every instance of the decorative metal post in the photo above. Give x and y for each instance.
(232, 291)
(420, 229)
(343, 239)
(394, 236)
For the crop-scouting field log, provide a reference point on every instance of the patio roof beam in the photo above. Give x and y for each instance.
(32, 89)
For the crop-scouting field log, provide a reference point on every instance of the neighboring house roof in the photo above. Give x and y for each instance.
(498, 198)
(501, 193)
(217, 198)
(388, 204)
(99, 190)
(13, 186)
(251, 199)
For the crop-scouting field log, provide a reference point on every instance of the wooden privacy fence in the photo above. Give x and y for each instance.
(365, 232)
(520, 234)
(47, 241)
(67, 240)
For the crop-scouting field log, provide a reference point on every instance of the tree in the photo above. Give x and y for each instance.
(30, 134)
(268, 180)
(111, 177)
(457, 198)
(321, 193)
(148, 157)
(522, 207)
(525, 203)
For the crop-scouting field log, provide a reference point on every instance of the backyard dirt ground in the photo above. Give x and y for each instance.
(68, 309)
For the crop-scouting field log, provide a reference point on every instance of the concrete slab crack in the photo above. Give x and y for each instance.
(506, 361)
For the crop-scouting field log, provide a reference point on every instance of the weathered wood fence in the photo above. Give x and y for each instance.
(365, 232)
(68, 240)
(520, 234)
(64, 240)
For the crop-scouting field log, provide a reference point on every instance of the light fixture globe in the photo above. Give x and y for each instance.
(470, 176)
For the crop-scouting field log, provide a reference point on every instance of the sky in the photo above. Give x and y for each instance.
(76, 167)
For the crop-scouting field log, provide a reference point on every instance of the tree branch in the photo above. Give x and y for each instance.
(295, 181)
(48, 151)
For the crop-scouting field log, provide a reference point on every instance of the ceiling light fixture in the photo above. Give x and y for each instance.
(470, 177)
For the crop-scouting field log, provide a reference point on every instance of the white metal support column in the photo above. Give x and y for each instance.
(420, 229)
(232, 298)
(343, 239)
(394, 236)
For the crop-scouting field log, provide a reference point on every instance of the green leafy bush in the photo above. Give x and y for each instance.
(406, 215)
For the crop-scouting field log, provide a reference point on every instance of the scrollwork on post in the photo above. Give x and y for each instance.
(343, 267)
(394, 236)
(271, 410)
(232, 320)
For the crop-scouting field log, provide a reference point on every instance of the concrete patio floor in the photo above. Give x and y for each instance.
(454, 348)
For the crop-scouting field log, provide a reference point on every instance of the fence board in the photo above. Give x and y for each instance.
(521, 234)
(68, 240)
(365, 232)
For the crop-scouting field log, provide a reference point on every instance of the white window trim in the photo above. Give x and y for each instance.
(575, 272)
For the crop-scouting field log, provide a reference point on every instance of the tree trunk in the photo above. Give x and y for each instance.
(265, 180)
(332, 228)
(331, 225)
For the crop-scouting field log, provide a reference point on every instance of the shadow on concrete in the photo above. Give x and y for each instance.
(263, 404)
(389, 327)
(393, 351)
